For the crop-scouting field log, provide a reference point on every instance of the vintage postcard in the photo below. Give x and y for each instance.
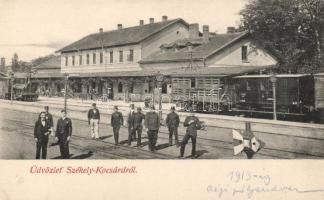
(174, 99)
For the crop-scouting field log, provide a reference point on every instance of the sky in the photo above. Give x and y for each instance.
(35, 28)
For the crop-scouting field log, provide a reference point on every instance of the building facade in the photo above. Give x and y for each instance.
(169, 57)
(47, 78)
(107, 63)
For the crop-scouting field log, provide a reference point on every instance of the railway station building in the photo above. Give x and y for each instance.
(171, 57)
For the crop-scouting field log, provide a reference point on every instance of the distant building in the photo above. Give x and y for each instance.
(47, 77)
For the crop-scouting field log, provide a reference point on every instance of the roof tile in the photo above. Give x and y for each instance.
(124, 36)
(215, 43)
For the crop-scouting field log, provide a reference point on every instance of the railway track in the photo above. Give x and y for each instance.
(125, 150)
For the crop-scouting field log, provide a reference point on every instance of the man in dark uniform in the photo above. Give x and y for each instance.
(63, 134)
(193, 124)
(93, 120)
(130, 123)
(138, 125)
(172, 122)
(48, 116)
(152, 124)
(116, 122)
(41, 132)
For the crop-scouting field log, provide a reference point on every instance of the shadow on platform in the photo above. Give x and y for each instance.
(105, 137)
(83, 156)
(162, 146)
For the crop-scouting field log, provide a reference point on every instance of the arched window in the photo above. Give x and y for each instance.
(120, 87)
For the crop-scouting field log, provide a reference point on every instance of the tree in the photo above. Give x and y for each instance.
(289, 29)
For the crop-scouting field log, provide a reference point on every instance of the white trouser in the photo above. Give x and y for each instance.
(94, 125)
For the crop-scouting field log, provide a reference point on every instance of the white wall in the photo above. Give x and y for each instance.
(171, 34)
(106, 66)
(231, 57)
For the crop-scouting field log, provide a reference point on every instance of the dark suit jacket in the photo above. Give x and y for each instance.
(192, 127)
(117, 119)
(152, 121)
(138, 119)
(63, 128)
(130, 119)
(93, 115)
(172, 120)
(49, 118)
(40, 130)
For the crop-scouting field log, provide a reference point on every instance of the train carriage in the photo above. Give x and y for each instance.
(294, 92)
(22, 88)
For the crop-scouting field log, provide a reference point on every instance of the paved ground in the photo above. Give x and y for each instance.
(16, 138)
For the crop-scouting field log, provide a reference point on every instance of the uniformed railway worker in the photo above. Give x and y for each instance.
(152, 124)
(116, 122)
(93, 120)
(130, 122)
(193, 124)
(41, 132)
(48, 116)
(63, 134)
(138, 125)
(172, 122)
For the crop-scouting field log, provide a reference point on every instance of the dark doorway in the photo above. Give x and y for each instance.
(110, 91)
(100, 88)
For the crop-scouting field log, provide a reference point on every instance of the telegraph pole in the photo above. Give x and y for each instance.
(65, 90)
(159, 82)
(12, 78)
(273, 80)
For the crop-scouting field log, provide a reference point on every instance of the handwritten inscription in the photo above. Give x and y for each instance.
(241, 176)
(245, 184)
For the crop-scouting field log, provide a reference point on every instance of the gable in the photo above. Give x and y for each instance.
(232, 56)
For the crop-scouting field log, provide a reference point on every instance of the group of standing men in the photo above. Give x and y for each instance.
(44, 126)
(136, 121)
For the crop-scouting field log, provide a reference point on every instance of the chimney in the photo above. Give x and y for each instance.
(119, 26)
(193, 30)
(164, 18)
(230, 29)
(100, 30)
(151, 20)
(141, 22)
(206, 33)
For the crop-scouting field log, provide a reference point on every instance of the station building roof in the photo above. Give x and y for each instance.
(215, 44)
(120, 37)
